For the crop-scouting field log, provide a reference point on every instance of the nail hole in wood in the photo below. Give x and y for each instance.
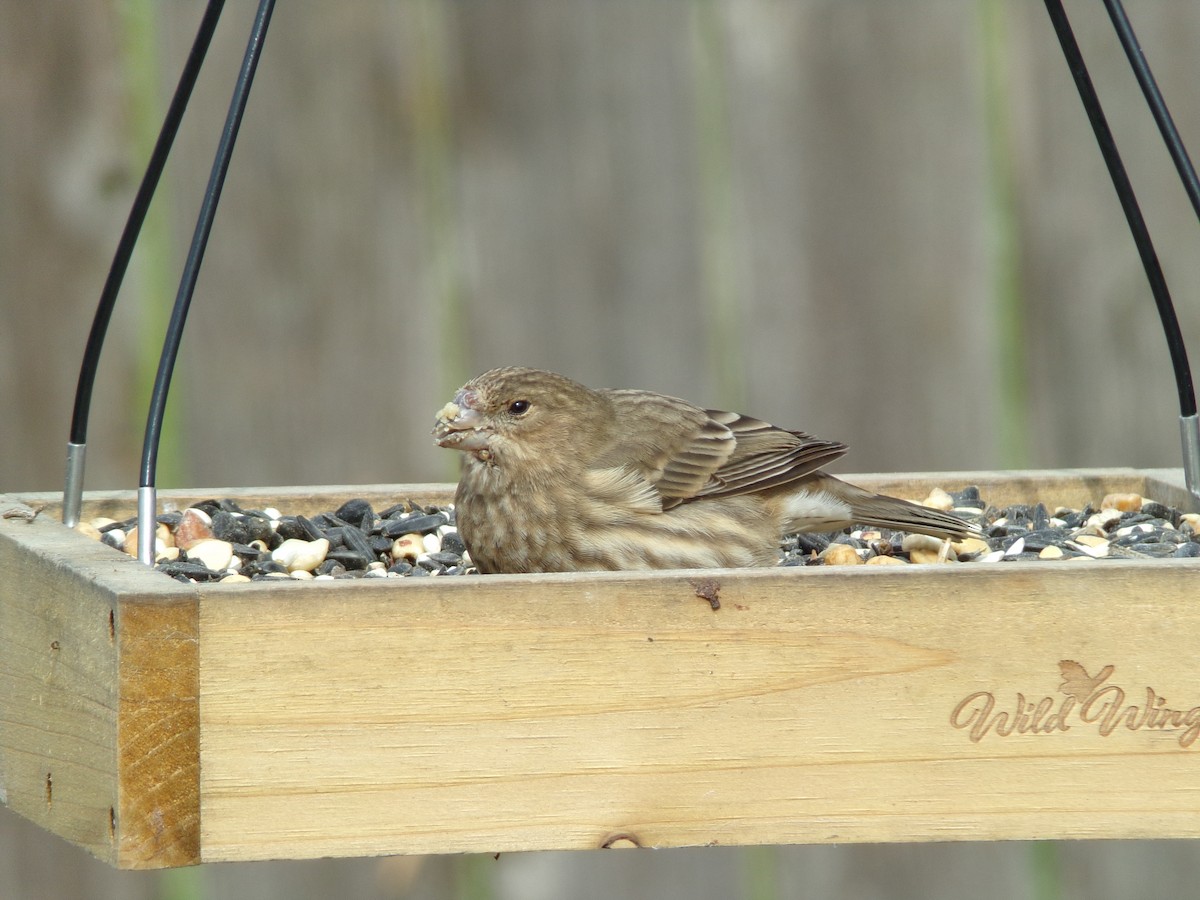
(620, 840)
(54, 645)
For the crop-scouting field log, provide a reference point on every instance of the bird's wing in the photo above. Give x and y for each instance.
(686, 452)
(675, 446)
(765, 456)
(690, 467)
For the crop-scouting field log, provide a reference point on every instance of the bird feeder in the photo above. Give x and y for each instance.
(157, 723)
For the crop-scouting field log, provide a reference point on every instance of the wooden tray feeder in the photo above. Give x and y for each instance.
(156, 723)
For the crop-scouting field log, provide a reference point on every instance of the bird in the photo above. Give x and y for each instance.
(560, 477)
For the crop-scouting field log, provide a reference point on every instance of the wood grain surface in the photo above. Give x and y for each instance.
(160, 724)
(814, 706)
(98, 700)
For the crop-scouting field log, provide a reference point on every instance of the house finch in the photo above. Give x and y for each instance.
(558, 477)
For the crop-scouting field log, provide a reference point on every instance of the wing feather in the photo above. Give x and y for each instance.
(687, 453)
(766, 456)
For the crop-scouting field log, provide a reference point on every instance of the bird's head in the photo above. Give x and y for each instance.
(519, 414)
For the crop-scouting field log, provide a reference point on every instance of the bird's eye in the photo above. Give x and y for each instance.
(518, 407)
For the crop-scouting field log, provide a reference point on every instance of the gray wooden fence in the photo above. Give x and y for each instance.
(885, 223)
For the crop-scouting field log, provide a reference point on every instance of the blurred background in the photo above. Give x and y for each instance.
(886, 224)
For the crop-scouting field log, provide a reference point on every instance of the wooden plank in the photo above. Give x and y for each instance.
(94, 649)
(159, 730)
(815, 706)
(180, 724)
(58, 686)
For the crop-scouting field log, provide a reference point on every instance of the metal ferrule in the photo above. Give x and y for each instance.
(147, 513)
(1189, 432)
(73, 486)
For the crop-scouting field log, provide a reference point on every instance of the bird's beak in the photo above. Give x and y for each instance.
(460, 426)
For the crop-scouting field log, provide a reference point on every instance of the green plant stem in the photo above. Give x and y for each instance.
(433, 147)
(718, 272)
(474, 877)
(1007, 295)
(760, 867)
(180, 884)
(153, 286)
(1047, 870)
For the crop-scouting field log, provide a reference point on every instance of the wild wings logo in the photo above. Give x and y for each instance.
(1082, 700)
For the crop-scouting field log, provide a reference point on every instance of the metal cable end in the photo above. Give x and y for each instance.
(1189, 432)
(73, 486)
(147, 513)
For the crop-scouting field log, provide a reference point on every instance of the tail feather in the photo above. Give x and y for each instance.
(900, 515)
(882, 511)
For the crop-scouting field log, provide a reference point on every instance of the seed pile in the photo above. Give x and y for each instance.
(1124, 526)
(218, 540)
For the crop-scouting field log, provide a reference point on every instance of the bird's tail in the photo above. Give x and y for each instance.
(882, 511)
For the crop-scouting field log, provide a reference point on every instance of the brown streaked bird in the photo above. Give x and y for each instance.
(558, 477)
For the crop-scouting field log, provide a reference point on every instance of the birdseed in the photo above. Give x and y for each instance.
(411, 540)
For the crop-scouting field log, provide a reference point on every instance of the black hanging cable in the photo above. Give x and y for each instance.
(212, 195)
(1133, 213)
(77, 444)
(1154, 97)
(1189, 423)
(1141, 236)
